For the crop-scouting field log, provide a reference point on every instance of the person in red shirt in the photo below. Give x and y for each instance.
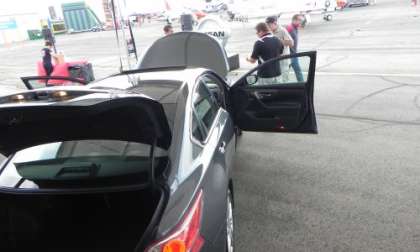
(293, 30)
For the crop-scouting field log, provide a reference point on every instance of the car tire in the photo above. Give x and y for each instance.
(238, 131)
(230, 224)
(328, 17)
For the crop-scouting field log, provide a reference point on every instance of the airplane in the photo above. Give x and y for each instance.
(243, 10)
(166, 10)
(216, 6)
(175, 8)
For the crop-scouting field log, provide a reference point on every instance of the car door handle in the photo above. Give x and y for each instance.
(265, 94)
(222, 147)
(261, 95)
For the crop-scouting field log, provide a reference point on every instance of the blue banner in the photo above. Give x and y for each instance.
(8, 24)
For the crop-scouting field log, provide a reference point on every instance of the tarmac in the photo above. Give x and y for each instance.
(353, 187)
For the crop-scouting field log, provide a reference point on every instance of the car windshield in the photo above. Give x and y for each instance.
(78, 164)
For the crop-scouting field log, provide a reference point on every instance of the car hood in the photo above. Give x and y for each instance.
(83, 115)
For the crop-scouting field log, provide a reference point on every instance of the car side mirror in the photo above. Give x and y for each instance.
(252, 79)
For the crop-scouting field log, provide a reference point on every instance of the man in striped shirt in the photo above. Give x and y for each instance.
(283, 35)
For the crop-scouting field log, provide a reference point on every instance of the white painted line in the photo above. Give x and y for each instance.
(369, 74)
(409, 75)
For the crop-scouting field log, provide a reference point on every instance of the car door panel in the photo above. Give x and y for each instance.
(275, 107)
(215, 183)
(214, 144)
(266, 108)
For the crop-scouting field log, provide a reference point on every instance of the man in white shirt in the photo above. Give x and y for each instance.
(287, 41)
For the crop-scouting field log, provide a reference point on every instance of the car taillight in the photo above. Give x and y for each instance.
(186, 236)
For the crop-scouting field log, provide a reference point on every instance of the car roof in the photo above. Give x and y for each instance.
(127, 80)
(155, 84)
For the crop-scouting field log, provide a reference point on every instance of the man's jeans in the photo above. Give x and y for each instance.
(284, 69)
(296, 67)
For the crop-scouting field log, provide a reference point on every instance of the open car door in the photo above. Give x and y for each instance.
(277, 96)
(35, 82)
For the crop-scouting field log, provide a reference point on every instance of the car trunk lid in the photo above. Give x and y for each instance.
(27, 121)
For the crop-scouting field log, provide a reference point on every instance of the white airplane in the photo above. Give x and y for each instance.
(243, 10)
(175, 8)
(215, 6)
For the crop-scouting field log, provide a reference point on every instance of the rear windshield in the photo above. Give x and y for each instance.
(79, 164)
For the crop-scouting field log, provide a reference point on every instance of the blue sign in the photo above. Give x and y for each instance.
(8, 24)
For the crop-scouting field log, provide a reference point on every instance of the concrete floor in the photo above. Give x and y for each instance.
(356, 185)
(353, 187)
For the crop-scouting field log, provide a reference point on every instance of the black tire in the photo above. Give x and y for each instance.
(329, 17)
(230, 223)
(238, 131)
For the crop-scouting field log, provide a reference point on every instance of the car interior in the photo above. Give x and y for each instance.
(78, 222)
(72, 221)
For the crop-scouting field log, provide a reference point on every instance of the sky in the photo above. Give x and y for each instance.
(41, 6)
(28, 6)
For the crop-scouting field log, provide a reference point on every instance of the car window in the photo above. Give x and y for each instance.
(293, 70)
(216, 88)
(196, 129)
(42, 82)
(84, 163)
(205, 108)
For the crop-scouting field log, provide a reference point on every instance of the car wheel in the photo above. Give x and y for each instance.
(328, 17)
(238, 131)
(229, 224)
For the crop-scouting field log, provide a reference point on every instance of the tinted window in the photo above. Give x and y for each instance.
(53, 81)
(216, 89)
(164, 91)
(205, 107)
(85, 163)
(196, 130)
(293, 70)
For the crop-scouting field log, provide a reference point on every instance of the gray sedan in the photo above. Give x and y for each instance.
(142, 160)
